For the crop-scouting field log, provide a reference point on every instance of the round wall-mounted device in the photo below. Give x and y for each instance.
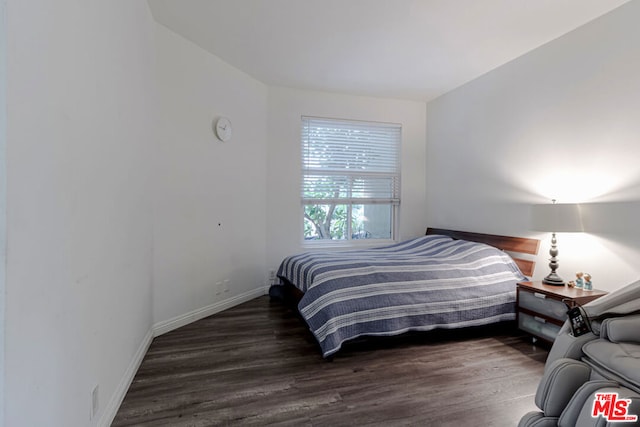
(222, 128)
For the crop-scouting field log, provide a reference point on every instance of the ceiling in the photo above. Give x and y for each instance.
(408, 49)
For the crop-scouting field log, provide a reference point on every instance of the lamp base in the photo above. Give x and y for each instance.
(553, 279)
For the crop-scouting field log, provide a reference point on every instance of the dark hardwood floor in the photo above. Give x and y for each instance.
(257, 364)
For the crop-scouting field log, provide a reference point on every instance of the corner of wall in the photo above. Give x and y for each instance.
(3, 194)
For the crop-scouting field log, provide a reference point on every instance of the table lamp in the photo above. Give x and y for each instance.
(556, 218)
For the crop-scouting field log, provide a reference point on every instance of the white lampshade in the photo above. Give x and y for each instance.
(557, 217)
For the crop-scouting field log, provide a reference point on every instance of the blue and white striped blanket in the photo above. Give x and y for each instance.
(420, 284)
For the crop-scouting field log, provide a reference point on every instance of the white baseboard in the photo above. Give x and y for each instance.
(118, 396)
(184, 319)
(160, 328)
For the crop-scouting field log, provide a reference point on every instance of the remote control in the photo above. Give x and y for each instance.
(578, 323)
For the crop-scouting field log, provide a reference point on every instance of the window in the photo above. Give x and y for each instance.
(350, 179)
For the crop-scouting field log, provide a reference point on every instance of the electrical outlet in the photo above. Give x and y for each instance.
(225, 284)
(272, 275)
(218, 288)
(95, 402)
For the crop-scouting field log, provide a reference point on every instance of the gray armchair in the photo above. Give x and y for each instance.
(581, 370)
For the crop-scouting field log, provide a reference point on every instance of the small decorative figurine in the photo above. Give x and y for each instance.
(587, 283)
(579, 280)
(571, 284)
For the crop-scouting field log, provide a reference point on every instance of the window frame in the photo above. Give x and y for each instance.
(393, 202)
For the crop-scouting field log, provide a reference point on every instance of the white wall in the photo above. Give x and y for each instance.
(81, 127)
(210, 223)
(286, 106)
(559, 122)
(3, 193)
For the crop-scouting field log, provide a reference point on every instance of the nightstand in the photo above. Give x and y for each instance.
(541, 309)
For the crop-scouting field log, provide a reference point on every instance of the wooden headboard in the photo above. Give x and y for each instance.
(513, 245)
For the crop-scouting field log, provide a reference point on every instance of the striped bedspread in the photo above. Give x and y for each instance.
(420, 284)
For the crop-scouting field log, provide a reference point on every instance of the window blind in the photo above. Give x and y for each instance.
(350, 162)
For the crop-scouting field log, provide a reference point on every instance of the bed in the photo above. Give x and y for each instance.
(444, 280)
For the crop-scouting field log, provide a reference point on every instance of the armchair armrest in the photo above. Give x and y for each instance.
(621, 329)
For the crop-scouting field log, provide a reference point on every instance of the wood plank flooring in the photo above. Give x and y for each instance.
(257, 364)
